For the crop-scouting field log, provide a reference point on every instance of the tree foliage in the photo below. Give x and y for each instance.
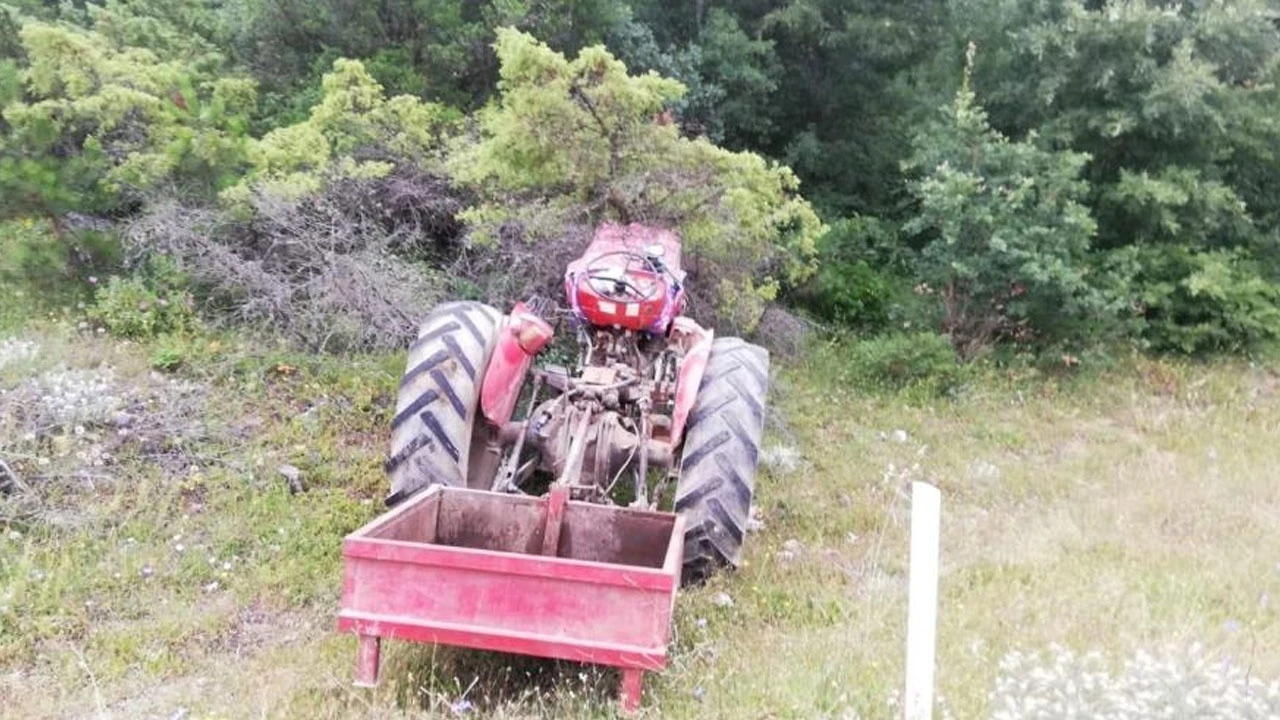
(90, 124)
(730, 76)
(1107, 167)
(1006, 235)
(354, 131)
(1176, 106)
(1165, 99)
(437, 50)
(1200, 302)
(588, 139)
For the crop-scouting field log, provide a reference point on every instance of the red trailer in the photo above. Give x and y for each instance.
(542, 576)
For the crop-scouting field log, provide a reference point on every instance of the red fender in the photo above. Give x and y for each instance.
(522, 336)
(698, 340)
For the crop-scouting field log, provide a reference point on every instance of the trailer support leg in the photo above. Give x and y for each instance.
(367, 658)
(632, 681)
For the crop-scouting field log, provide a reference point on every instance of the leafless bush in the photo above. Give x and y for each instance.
(529, 258)
(64, 431)
(782, 331)
(358, 265)
(334, 271)
(417, 211)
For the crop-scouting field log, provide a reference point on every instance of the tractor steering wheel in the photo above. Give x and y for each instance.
(622, 286)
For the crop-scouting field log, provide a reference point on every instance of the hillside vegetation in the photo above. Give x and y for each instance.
(1040, 178)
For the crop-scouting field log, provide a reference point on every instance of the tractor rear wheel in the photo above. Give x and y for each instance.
(433, 433)
(720, 451)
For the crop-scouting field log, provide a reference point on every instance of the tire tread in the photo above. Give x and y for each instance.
(721, 450)
(439, 396)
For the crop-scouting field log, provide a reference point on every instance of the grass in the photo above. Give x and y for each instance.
(1116, 513)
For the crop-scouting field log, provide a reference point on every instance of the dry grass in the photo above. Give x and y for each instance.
(1119, 514)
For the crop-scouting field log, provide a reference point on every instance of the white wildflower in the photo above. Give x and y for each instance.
(1170, 683)
(16, 350)
(782, 459)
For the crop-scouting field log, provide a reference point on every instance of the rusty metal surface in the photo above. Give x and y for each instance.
(414, 524)
(554, 519)
(491, 521)
(604, 533)
(517, 524)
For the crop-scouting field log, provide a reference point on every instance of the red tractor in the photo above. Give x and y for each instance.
(651, 389)
(543, 532)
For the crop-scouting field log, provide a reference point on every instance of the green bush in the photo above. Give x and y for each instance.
(862, 279)
(168, 358)
(850, 293)
(132, 308)
(31, 258)
(568, 141)
(101, 121)
(1006, 234)
(1200, 303)
(41, 270)
(901, 360)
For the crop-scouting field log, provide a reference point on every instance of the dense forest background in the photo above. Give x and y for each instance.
(960, 178)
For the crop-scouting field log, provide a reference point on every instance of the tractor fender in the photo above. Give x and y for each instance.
(691, 371)
(523, 336)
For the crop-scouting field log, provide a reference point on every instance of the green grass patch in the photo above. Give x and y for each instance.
(1113, 511)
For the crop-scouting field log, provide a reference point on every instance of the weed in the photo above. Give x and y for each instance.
(131, 309)
(168, 358)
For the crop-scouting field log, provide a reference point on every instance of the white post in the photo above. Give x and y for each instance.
(922, 605)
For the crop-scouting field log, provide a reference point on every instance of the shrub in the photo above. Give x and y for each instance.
(851, 293)
(168, 358)
(327, 273)
(133, 309)
(1006, 236)
(31, 258)
(41, 269)
(862, 277)
(353, 131)
(575, 142)
(100, 119)
(900, 360)
(1199, 302)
